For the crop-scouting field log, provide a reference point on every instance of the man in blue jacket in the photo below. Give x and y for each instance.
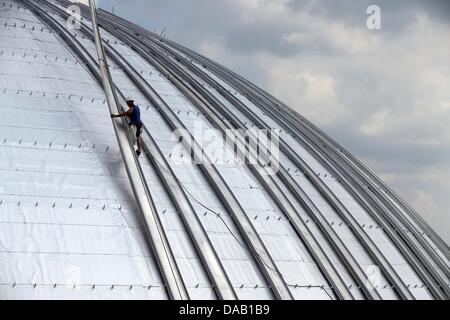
(134, 113)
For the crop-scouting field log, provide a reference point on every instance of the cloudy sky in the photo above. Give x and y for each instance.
(384, 94)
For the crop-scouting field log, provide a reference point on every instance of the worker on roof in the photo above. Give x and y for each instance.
(134, 113)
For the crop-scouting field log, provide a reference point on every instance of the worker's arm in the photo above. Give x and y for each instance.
(123, 114)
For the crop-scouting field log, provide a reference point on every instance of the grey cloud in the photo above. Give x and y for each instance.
(395, 14)
(396, 156)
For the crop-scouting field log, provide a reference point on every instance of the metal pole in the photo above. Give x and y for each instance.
(158, 240)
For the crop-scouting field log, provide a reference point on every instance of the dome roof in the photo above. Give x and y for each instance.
(236, 196)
